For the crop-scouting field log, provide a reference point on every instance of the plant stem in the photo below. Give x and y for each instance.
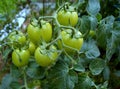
(25, 80)
(61, 7)
(46, 17)
(73, 61)
(53, 41)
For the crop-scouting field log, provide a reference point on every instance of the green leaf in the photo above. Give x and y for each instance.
(6, 53)
(117, 73)
(85, 24)
(103, 86)
(79, 67)
(15, 72)
(104, 28)
(15, 85)
(90, 49)
(106, 73)
(59, 77)
(84, 82)
(35, 71)
(96, 66)
(93, 7)
(113, 40)
(93, 21)
(6, 81)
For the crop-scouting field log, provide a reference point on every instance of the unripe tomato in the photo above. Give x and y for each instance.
(16, 38)
(32, 47)
(21, 57)
(70, 39)
(92, 33)
(67, 17)
(45, 57)
(37, 34)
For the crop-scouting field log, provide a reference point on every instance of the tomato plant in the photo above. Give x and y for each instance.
(77, 46)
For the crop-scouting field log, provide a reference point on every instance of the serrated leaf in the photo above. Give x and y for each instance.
(93, 7)
(35, 71)
(84, 82)
(96, 66)
(59, 77)
(90, 49)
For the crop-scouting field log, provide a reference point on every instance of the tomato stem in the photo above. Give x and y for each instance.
(46, 17)
(72, 60)
(69, 47)
(53, 41)
(62, 6)
(85, 34)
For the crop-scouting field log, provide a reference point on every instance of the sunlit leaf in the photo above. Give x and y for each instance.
(91, 50)
(93, 7)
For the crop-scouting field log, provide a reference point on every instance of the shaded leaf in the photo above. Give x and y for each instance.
(103, 86)
(35, 71)
(113, 41)
(15, 85)
(15, 72)
(59, 77)
(6, 81)
(96, 66)
(6, 53)
(85, 24)
(84, 82)
(104, 28)
(117, 73)
(106, 73)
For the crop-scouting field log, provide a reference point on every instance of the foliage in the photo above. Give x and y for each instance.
(95, 66)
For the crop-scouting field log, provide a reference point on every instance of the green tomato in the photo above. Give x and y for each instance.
(38, 34)
(68, 17)
(32, 47)
(92, 33)
(17, 38)
(20, 58)
(70, 40)
(46, 56)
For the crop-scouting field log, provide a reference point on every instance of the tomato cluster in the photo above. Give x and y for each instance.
(41, 40)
